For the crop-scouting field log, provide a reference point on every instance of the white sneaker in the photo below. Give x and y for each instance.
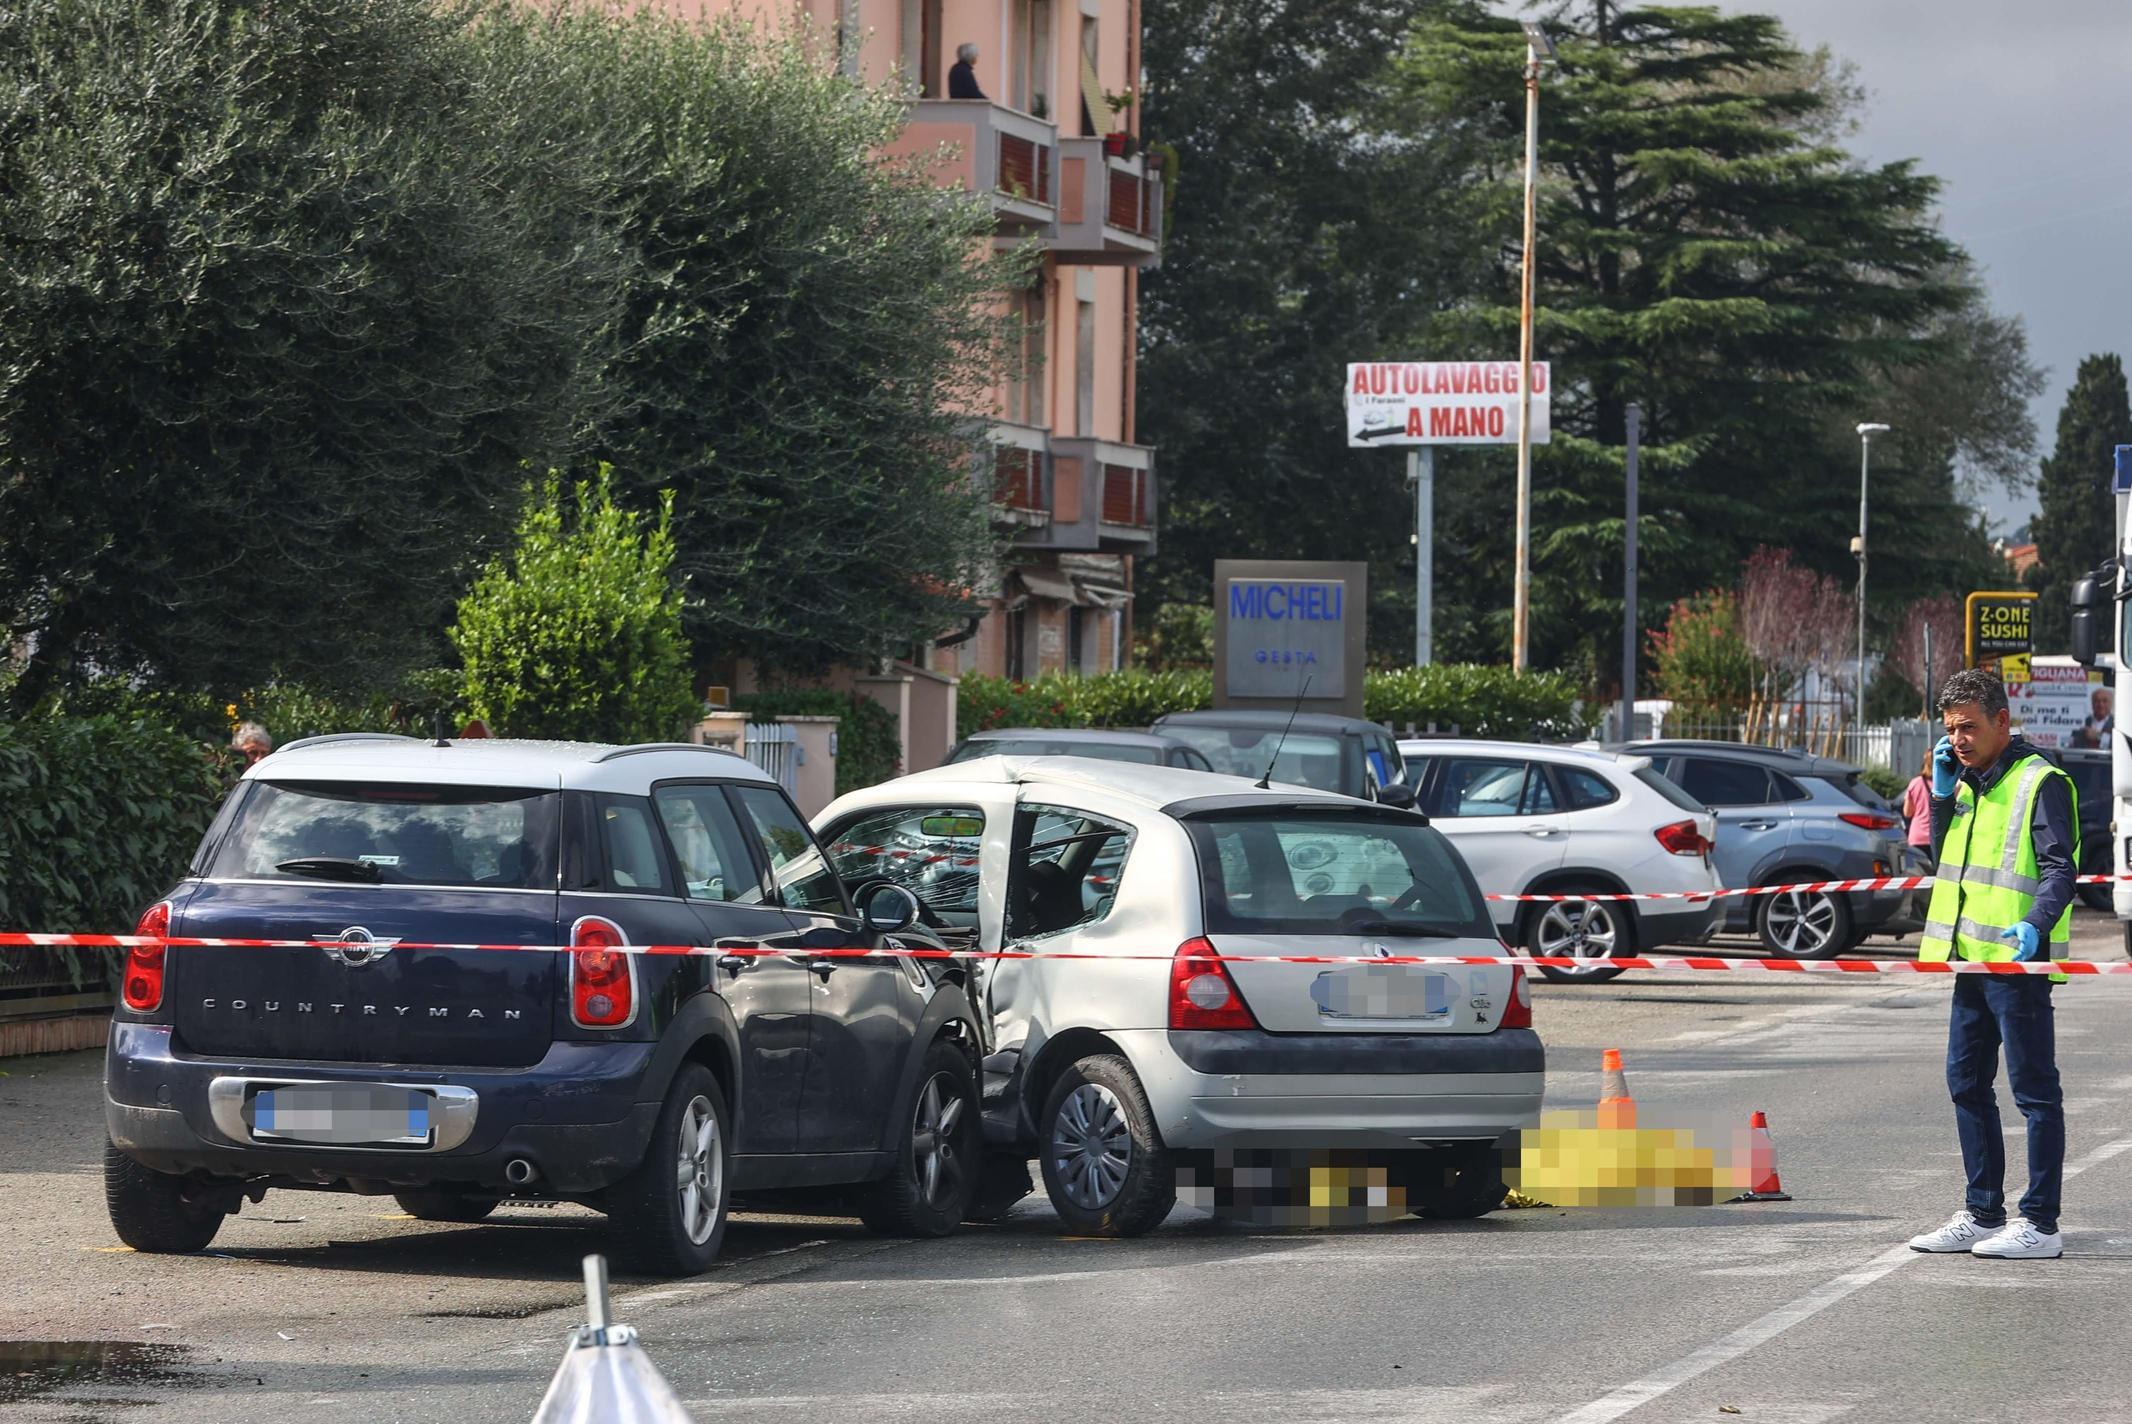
(1959, 1234)
(2019, 1241)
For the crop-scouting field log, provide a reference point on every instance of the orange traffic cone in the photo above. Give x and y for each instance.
(1616, 1107)
(1762, 1163)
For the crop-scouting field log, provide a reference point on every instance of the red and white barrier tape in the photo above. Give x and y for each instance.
(1877, 882)
(1679, 964)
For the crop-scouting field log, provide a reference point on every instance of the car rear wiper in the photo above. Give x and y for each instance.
(1406, 929)
(331, 867)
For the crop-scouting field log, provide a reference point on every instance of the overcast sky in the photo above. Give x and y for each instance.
(2022, 109)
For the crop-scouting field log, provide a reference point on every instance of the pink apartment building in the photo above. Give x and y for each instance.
(1056, 448)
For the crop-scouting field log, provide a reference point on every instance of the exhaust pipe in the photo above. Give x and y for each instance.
(520, 1173)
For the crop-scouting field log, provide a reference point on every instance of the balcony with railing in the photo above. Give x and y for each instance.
(1013, 471)
(990, 149)
(1109, 208)
(1103, 498)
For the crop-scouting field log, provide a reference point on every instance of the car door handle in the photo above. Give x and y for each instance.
(734, 963)
(1543, 832)
(1758, 825)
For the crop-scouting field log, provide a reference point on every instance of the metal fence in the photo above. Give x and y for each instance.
(774, 747)
(37, 982)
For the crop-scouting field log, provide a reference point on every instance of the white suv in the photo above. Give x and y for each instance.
(1553, 820)
(1165, 1026)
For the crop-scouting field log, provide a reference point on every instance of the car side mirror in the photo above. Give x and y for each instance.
(888, 908)
(1396, 794)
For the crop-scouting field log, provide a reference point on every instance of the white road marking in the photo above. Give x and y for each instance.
(1637, 1393)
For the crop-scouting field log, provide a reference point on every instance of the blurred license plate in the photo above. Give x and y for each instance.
(342, 1113)
(1392, 991)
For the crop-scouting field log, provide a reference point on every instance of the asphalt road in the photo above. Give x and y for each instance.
(327, 1307)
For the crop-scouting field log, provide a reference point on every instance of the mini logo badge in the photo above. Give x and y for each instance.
(356, 947)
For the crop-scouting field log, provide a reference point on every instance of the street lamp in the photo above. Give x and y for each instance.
(1866, 431)
(1539, 50)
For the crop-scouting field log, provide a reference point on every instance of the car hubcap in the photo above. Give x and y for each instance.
(1091, 1148)
(934, 1129)
(700, 1177)
(1801, 923)
(1577, 929)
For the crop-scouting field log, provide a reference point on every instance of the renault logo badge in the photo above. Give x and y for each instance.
(356, 947)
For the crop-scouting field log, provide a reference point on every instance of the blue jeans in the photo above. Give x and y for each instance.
(1991, 1012)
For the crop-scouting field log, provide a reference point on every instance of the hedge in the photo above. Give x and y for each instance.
(868, 742)
(1479, 700)
(103, 814)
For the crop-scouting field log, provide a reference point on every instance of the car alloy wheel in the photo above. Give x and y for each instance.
(1803, 924)
(1578, 929)
(700, 1175)
(1091, 1147)
(934, 1123)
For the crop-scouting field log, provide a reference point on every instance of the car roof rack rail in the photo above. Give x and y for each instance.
(331, 737)
(641, 747)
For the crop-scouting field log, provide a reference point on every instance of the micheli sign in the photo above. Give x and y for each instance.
(1441, 403)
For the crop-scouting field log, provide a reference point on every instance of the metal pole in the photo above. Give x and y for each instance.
(1520, 653)
(1421, 471)
(1865, 457)
(1927, 713)
(1628, 582)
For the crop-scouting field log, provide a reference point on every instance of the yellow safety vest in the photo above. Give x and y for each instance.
(1987, 879)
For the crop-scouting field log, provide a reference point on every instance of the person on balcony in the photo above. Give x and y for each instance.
(962, 74)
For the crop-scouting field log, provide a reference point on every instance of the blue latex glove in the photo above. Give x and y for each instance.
(1946, 771)
(2028, 943)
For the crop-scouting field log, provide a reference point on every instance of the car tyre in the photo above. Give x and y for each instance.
(669, 1216)
(1581, 929)
(1104, 1164)
(1456, 1186)
(1804, 924)
(437, 1204)
(154, 1211)
(928, 1190)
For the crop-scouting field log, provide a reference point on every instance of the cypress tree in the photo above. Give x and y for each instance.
(2074, 527)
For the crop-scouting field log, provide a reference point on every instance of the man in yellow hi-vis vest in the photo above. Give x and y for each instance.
(2008, 836)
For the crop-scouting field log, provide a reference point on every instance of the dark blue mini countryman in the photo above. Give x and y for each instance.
(650, 1087)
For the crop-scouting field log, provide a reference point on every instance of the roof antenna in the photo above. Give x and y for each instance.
(436, 728)
(1264, 783)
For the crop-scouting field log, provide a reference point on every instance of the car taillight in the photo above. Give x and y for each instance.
(602, 978)
(143, 983)
(1683, 838)
(1869, 820)
(1518, 1012)
(1202, 995)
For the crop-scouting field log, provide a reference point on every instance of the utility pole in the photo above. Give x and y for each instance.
(1539, 50)
(1866, 431)
(1628, 582)
(1421, 474)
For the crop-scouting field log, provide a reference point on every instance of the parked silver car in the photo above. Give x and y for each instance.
(1165, 1027)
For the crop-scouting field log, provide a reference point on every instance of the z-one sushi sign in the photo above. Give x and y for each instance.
(1441, 403)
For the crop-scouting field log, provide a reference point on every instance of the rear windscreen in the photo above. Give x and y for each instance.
(1333, 874)
(409, 835)
(1306, 759)
(1668, 788)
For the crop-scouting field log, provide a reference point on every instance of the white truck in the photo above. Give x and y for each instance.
(2099, 612)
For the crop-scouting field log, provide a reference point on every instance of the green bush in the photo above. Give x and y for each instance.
(288, 712)
(1702, 659)
(103, 813)
(868, 741)
(1478, 699)
(1888, 783)
(577, 635)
